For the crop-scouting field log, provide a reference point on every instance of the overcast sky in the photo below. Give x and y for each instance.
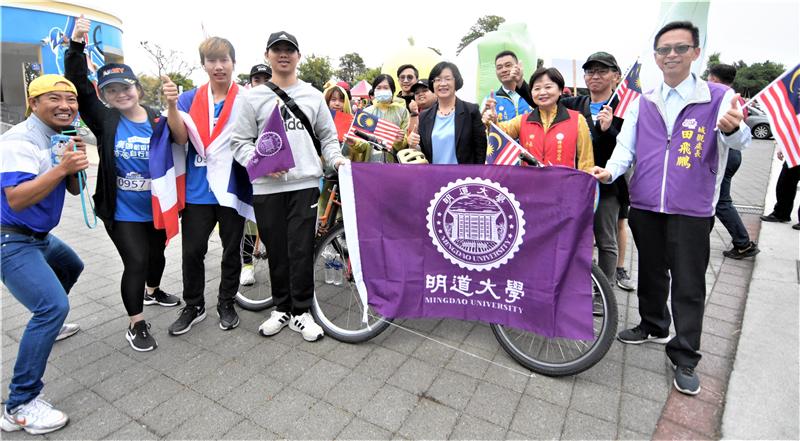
(752, 31)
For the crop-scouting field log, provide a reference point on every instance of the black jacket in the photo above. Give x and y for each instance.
(470, 134)
(102, 121)
(603, 143)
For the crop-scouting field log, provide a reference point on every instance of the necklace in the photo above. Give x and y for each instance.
(442, 113)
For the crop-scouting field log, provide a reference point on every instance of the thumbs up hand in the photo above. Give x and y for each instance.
(170, 90)
(729, 122)
(81, 29)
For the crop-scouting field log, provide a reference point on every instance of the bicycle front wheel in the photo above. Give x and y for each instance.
(337, 307)
(559, 356)
(257, 294)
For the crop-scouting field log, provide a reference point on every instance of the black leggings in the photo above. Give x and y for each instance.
(141, 247)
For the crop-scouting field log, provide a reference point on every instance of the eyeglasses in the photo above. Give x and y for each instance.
(600, 71)
(407, 78)
(443, 80)
(679, 49)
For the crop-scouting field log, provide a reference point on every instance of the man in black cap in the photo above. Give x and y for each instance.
(285, 202)
(260, 74)
(423, 97)
(601, 74)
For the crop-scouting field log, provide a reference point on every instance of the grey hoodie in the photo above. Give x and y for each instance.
(252, 116)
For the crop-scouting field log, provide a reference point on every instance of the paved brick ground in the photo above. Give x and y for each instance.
(238, 385)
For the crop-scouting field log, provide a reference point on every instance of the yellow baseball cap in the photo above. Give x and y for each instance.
(49, 83)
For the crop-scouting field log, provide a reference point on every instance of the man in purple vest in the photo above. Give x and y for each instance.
(679, 134)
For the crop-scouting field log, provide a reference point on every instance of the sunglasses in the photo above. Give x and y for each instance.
(679, 49)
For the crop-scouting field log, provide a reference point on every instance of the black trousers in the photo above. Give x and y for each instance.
(785, 190)
(197, 224)
(673, 256)
(726, 212)
(287, 223)
(141, 247)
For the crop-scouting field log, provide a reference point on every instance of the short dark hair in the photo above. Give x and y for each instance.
(687, 25)
(437, 70)
(408, 66)
(381, 78)
(505, 54)
(552, 73)
(725, 72)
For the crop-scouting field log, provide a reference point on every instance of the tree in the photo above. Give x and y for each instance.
(753, 78)
(168, 61)
(713, 60)
(369, 75)
(485, 24)
(243, 79)
(350, 66)
(152, 88)
(315, 70)
(749, 79)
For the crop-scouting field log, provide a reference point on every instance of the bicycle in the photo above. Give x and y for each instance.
(339, 311)
(256, 297)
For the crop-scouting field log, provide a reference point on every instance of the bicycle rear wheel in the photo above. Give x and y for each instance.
(558, 356)
(257, 296)
(337, 308)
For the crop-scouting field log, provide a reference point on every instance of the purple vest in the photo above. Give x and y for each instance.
(677, 174)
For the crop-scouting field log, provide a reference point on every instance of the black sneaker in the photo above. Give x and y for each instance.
(796, 226)
(637, 336)
(749, 250)
(161, 298)
(228, 318)
(686, 380)
(140, 338)
(772, 218)
(624, 280)
(188, 317)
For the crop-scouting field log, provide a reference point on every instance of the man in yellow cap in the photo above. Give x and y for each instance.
(37, 166)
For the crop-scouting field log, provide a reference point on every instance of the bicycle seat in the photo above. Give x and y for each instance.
(411, 156)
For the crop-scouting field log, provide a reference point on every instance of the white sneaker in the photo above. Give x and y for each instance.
(305, 325)
(67, 331)
(35, 417)
(248, 275)
(273, 325)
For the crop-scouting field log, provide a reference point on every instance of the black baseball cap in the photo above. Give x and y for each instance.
(276, 37)
(115, 73)
(261, 69)
(423, 83)
(603, 58)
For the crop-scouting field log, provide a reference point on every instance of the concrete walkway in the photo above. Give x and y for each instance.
(762, 401)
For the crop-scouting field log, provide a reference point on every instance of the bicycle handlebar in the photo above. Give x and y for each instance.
(529, 159)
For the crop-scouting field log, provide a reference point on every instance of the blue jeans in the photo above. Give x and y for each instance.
(39, 274)
(726, 212)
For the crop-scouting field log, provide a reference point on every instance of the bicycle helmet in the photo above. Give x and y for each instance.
(411, 156)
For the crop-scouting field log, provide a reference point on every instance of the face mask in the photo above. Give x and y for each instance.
(383, 96)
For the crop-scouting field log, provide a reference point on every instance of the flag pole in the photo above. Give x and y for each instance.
(749, 102)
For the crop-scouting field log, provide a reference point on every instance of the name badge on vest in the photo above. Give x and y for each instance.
(133, 182)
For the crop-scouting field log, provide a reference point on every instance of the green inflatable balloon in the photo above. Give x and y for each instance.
(509, 36)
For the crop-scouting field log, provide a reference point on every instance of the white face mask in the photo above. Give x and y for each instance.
(383, 96)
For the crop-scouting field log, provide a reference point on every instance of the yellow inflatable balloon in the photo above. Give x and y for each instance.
(422, 58)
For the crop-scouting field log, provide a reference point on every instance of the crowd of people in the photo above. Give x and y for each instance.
(680, 135)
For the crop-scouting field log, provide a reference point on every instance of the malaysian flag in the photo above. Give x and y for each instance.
(372, 125)
(501, 149)
(782, 103)
(629, 89)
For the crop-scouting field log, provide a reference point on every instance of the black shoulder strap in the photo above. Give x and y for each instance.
(298, 113)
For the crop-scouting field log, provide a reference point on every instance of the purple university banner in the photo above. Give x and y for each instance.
(273, 152)
(498, 244)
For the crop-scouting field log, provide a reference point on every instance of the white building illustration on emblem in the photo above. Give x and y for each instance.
(474, 225)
